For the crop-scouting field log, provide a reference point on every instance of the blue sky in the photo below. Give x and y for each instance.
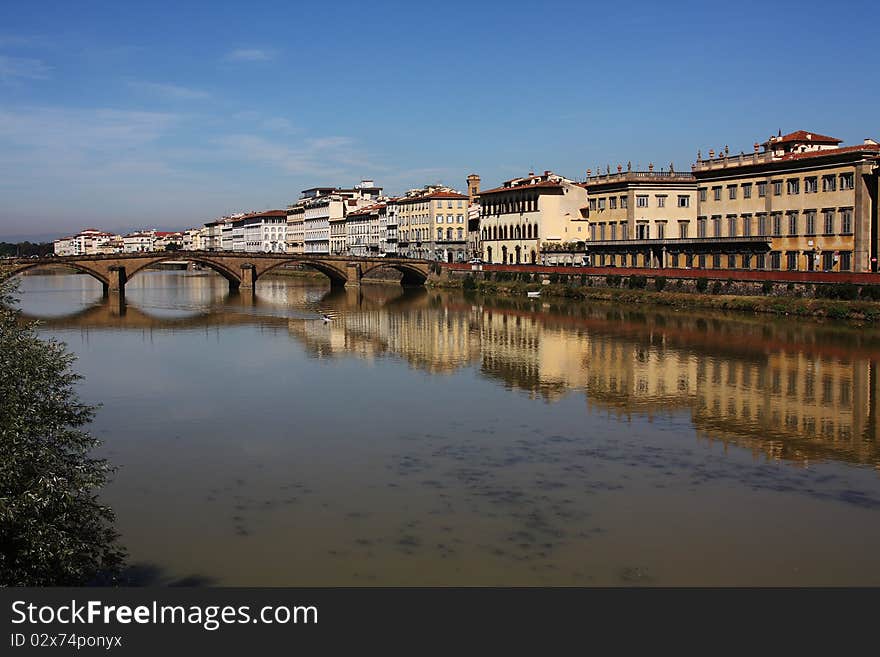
(165, 116)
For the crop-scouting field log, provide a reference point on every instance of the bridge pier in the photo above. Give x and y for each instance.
(248, 277)
(353, 274)
(117, 279)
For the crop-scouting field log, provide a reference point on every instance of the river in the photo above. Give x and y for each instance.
(423, 437)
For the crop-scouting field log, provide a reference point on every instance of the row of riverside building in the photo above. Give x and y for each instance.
(799, 202)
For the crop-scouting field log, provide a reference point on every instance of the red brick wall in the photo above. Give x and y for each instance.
(716, 274)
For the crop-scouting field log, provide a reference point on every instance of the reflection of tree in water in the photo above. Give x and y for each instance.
(53, 529)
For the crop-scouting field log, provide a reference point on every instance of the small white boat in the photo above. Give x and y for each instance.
(534, 295)
(326, 318)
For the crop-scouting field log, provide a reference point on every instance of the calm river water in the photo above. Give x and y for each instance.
(424, 437)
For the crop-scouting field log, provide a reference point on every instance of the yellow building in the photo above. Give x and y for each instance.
(812, 201)
(526, 216)
(634, 216)
(432, 224)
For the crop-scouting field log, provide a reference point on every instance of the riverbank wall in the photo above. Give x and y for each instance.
(836, 299)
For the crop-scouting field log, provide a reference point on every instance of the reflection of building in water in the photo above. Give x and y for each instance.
(430, 338)
(525, 353)
(786, 405)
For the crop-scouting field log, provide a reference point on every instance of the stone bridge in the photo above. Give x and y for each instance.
(242, 270)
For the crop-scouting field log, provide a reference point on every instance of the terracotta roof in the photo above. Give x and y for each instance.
(432, 196)
(266, 213)
(831, 152)
(544, 185)
(803, 135)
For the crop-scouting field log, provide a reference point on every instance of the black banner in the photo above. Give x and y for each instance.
(324, 621)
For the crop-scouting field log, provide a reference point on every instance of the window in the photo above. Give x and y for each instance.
(731, 225)
(460, 218)
(747, 264)
(827, 260)
(760, 261)
(439, 218)
(601, 204)
(762, 189)
(762, 225)
(810, 219)
(731, 261)
(811, 185)
(602, 232)
(684, 201)
(593, 232)
(624, 231)
(777, 224)
(449, 204)
(661, 231)
(642, 231)
(731, 192)
(716, 261)
(612, 203)
(716, 226)
(661, 201)
(439, 204)
(845, 260)
(716, 193)
(791, 260)
(794, 186)
(701, 227)
(829, 183)
(439, 233)
(592, 204)
(702, 261)
(775, 258)
(846, 221)
(829, 222)
(747, 190)
(846, 181)
(683, 229)
(792, 223)
(449, 218)
(641, 201)
(613, 231)
(777, 188)
(702, 193)
(747, 225)
(460, 203)
(623, 203)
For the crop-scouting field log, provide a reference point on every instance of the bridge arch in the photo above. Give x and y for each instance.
(336, 275)
(412, 274)
(20, 268)
(226, 272)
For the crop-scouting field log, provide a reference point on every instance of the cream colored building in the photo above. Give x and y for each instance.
(295, 228)
(525, 216)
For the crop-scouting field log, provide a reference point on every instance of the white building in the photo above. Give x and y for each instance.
(88, 241)
(139, 242)
(264, 232)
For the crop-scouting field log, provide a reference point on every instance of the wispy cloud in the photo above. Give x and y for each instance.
(325, 156)
(249, 55)
(20, 68)
(169, 91)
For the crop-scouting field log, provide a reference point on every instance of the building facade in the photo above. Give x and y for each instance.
(432, 224)
(811, 201)
(526, 216)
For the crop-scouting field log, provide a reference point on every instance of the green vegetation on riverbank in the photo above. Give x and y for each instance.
(844, 303)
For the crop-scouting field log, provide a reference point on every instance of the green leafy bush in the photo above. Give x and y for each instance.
(637, 282)
(54, 530)
(702, 284)
(659, 283)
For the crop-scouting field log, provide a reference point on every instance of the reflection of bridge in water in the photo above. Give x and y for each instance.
(791, 391)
